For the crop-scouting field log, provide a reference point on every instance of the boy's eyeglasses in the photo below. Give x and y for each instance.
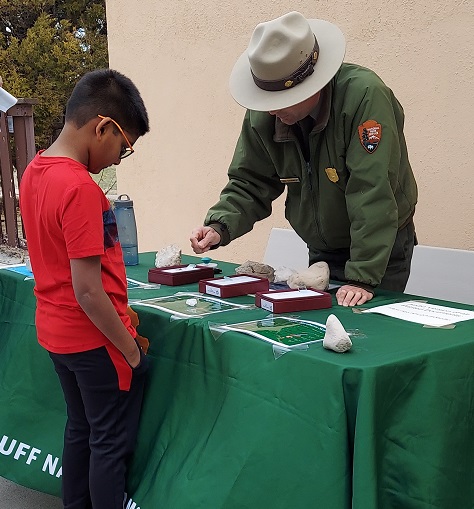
(126, 151)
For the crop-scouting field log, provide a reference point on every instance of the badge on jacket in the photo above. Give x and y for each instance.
(332, 174)
(370, 134)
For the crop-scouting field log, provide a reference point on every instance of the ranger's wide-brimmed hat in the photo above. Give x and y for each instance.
(288, 60)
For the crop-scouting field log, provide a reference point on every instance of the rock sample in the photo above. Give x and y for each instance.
(336, 337)
(282, 274)
(256, 269)
(168, 256)
(315, 276)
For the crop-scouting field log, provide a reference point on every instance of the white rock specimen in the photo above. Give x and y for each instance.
(336, 337)
(256, 269)
(282, 274)
(315, 276)
(169, 255)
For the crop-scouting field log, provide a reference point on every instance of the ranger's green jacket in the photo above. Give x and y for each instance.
(355, 192)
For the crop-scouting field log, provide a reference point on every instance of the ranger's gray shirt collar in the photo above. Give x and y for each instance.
(320, 114)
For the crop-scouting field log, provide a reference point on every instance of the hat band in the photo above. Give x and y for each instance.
(303, 71)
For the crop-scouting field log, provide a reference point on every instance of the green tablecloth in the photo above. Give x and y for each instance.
(226, 424)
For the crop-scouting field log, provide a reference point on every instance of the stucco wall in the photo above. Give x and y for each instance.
(180, 55)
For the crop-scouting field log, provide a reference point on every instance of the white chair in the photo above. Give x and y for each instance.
(442, 273)
(285, 248)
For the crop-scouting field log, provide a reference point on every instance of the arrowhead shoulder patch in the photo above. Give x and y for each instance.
(370, 134)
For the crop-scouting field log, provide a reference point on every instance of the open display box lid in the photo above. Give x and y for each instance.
(233, 286)
(289, 301)
(179, 274)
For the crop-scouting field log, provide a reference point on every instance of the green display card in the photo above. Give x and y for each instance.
(289, 332)
(189, 304)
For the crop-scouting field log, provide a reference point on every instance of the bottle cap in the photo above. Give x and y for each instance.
(120, 202)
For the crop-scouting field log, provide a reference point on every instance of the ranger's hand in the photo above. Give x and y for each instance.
(349, 295)
(203, 238)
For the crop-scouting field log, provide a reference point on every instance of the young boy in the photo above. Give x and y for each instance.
(81, 287)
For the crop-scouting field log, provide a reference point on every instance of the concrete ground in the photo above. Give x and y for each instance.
(14, 496)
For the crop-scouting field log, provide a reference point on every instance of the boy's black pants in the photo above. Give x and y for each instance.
(103, 396)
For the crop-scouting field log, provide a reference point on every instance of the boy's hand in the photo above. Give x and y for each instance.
(91, 296)
(134, 359)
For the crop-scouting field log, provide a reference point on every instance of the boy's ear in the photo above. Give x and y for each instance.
(100, 127)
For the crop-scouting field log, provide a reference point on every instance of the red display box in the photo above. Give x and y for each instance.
(289, 301)
(233, 286)
(179, 274)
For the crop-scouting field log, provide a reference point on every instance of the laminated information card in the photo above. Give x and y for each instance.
(189, 304)
(282, 331)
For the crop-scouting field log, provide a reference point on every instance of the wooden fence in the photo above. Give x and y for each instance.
(17, 149)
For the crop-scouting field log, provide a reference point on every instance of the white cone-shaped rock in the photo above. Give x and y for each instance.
(168, 256)
(336, 337)
(315, 276)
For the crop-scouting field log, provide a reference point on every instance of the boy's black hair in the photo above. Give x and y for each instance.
(111, 94)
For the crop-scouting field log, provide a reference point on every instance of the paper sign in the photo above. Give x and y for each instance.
(6, 100)
(421, 312)
(19, 268)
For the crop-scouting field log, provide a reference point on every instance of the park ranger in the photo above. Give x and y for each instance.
(331, 133)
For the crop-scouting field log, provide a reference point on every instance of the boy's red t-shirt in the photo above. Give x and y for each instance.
(66, 215)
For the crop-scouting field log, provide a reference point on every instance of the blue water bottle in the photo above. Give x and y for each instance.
(127, 228)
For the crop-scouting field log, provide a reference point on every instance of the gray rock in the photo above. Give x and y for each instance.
(256, 269)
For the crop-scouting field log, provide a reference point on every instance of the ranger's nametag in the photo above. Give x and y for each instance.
(291, 180)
